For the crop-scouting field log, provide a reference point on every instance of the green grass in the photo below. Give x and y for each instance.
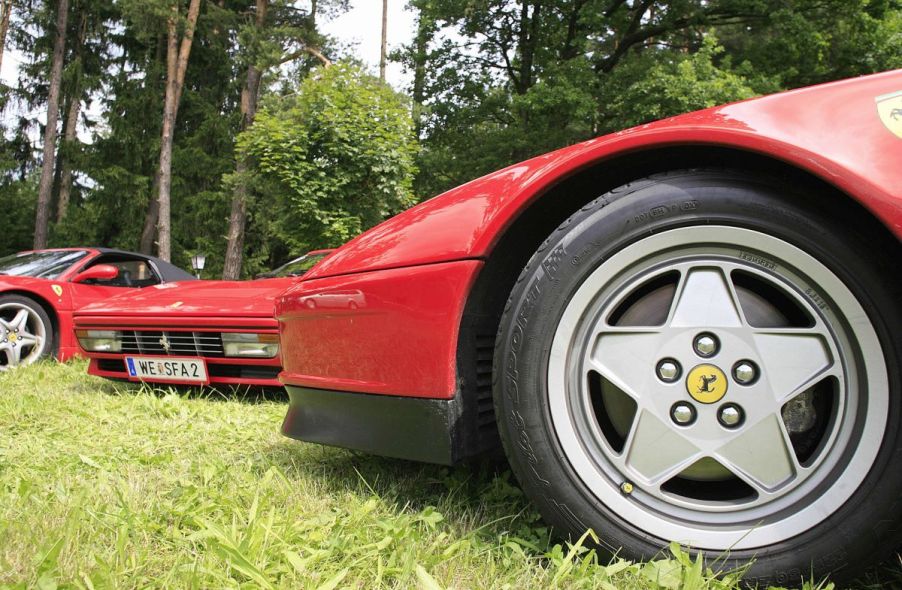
(112, 486)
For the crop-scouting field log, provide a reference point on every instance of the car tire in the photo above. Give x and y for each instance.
(26, 332)
(708, 357)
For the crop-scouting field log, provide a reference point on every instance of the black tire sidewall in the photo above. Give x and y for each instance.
(861, 530)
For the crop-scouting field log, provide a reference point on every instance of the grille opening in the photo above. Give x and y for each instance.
(243, 371)
(614, 410)
(111, 365)
(207, 344)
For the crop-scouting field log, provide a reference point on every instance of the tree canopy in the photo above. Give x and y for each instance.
(282, 142)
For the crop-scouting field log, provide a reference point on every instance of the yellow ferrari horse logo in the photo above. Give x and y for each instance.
(57, 289)
(706, 384)
(889, 107)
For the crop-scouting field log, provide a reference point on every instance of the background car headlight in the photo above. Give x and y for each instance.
(100, 340)
(250, 345)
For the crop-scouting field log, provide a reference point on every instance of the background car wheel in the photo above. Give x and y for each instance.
(705, 357)
(26, 333)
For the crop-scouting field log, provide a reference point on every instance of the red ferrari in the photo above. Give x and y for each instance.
(199, 333)
(687, 331)
(40, 289)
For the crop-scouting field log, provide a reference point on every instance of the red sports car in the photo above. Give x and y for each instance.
(205, 332)
(689, 331)
(40, 289)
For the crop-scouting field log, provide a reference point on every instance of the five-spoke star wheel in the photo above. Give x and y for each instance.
(708, 381)
(24, 332)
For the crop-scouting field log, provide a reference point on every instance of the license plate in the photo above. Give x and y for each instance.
(169, 369)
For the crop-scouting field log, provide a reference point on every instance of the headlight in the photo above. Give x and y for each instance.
(250, 345)
(100, 340)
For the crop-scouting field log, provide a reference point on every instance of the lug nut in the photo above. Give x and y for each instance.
(730, 415)
(706, 345)
(745, 372)
(669, 370)
(682, 414)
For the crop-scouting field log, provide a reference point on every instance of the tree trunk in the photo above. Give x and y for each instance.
(238, 218)
(6, 9)
(70, 126)
(176, 65)
(69, 138)
(382, 51)
(149, 231)
(45, 187)
(421, 48)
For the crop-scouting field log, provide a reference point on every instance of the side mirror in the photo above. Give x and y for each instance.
(103, 272)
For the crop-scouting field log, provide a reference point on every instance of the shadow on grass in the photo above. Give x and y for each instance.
(482, 492)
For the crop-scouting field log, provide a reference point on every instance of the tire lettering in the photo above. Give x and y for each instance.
(664, 211)
(552, 263)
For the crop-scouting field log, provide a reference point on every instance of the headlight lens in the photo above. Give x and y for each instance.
(99, 340)
(250, 345)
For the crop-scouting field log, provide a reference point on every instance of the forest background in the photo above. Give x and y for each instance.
(238, 129)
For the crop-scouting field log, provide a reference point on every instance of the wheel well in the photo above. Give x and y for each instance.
(51, 313)
(487, 299)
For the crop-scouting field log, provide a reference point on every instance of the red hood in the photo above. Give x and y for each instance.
(195, 299)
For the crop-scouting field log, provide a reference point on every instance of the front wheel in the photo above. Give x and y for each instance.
(26, 333)
(700, 357)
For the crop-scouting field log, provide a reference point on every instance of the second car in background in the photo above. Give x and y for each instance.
(197, 333)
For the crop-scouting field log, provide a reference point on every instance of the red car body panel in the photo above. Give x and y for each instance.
(201, 306)
(403, 345)
(61, 306)
(410, 316)
(832, 131)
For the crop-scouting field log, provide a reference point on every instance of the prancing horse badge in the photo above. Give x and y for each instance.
(889, 107)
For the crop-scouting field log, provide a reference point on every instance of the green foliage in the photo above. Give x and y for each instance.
(108, 485)
(18, 200)
(495, 82)
(337, 156)
(498, 81)
(649, 87)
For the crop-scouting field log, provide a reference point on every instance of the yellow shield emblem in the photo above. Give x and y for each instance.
(57, 289)
(889, 107)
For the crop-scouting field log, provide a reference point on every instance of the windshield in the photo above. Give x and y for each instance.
(296, 267)
(42, 265)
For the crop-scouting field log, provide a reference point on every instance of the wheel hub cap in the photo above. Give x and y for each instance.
(707, 384)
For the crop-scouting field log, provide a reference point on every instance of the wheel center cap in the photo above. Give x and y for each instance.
(13, 337)
(706, 384)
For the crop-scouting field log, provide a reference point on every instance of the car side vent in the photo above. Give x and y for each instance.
(485, 412)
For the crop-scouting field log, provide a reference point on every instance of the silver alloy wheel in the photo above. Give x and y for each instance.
(812, 419)
(23, 335)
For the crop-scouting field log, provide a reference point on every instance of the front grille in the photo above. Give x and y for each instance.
(208, 344)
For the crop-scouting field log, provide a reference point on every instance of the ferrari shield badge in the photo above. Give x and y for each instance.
(57, 289)
(889, 107)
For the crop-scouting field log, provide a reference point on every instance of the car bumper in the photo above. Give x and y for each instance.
(398, 338)
(379, 376)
